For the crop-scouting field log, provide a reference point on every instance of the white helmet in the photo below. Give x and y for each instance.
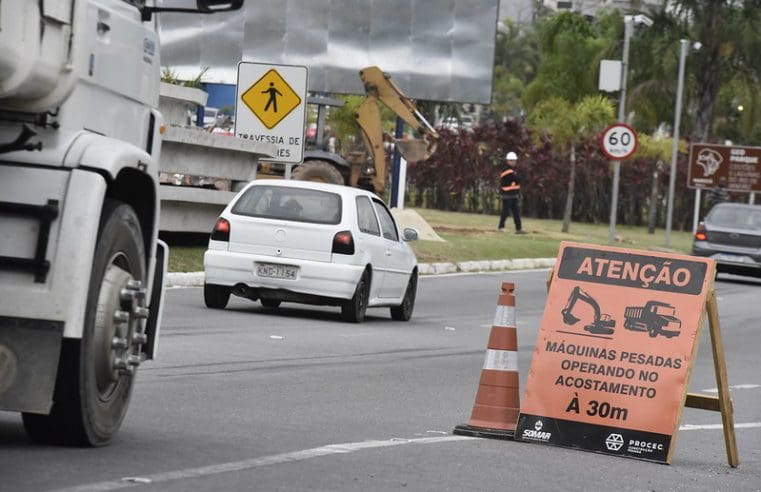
(511, 156)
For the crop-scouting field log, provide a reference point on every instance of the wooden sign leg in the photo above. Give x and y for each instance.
(723, 402)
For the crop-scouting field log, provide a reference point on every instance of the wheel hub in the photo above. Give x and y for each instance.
(119, 328)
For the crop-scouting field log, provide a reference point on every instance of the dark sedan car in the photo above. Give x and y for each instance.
(731, 235)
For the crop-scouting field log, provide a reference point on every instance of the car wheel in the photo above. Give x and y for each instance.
(403, 312)
(216, 296)
(95, 373)
(270, 303)
(354, 309)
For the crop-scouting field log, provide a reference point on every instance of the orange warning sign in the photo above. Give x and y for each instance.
(615, 350)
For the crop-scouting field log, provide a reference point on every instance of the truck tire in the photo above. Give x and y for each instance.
(321, 171)
(94, 381)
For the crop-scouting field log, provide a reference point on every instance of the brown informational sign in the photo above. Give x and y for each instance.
(615, 350)
(739, 166)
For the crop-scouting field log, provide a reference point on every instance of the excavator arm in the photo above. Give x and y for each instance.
(380, 88)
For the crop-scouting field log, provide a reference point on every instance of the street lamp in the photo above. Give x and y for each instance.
(629, 22)
(683, 47)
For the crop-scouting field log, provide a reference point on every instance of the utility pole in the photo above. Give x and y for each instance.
(628, 28)
(629, 22)
(683, 47)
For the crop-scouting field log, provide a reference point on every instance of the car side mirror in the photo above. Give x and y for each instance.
(410, 234)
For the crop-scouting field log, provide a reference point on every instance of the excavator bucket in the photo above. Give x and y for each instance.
(414, 150)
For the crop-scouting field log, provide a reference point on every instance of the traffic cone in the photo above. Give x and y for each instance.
(495, 412)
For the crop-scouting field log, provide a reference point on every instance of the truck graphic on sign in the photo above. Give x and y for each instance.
(655, 317)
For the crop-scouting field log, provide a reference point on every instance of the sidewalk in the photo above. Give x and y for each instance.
(195, 279)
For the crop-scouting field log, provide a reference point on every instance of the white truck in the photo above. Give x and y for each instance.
(81, 266)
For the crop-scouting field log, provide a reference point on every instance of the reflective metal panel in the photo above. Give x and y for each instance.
(441, 50)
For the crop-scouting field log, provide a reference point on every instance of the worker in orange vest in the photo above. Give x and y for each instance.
(510, 191)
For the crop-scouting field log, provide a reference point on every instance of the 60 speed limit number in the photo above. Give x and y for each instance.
(618, 141)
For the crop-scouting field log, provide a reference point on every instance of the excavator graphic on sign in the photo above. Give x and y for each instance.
(602, 324)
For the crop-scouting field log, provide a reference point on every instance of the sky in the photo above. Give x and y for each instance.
(518, 10)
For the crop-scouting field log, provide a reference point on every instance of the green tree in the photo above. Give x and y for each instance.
(569, 49)
(724, 71)
(568, 124)
(516, 58)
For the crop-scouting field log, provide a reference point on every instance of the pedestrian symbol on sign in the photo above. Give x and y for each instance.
(271, 99)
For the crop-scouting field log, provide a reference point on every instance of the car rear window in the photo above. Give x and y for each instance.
(738, 218)
(295, 204)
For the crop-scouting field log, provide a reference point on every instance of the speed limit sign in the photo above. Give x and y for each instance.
(618, 141)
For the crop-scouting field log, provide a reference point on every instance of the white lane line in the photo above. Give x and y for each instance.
(234, 466)
(733, 387)
(306, 454)
(690, 427)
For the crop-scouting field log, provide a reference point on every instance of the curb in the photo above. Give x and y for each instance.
(195, 279)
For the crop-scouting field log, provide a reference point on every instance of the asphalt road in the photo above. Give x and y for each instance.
(295, 399)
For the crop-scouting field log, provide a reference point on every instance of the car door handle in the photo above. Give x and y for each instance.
(388, 252)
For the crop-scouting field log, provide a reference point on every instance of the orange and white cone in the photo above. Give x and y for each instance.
(495, 412)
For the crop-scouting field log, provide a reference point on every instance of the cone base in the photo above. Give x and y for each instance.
(469, 430)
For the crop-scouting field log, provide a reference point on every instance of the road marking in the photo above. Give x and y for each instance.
(306, 454)
(490, 272)
(303, 455)
(689, 427)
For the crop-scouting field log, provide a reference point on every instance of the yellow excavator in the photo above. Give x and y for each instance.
(369, 169)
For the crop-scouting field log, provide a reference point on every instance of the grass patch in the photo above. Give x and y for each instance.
(186, 258)
(475, 237)
(472, 237)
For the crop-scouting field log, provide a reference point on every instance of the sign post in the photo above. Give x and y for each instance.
(618, 142)
(270, 106)
(615, 352)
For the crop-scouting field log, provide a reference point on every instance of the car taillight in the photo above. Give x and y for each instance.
(221, 231)
(343, 243)
(701, 234)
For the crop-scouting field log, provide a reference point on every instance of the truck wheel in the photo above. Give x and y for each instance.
(321, 171)
(96, 373)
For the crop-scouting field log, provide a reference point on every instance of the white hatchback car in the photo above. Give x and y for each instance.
(311, 243)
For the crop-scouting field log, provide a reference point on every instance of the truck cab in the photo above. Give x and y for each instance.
(81, 266)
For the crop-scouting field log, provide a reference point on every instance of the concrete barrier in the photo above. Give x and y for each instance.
(192, 151)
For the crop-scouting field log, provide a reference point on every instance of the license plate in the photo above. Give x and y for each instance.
(732, 258)
(273, 270)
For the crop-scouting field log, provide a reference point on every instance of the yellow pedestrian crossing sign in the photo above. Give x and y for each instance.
(270, 107)
(271, 99)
